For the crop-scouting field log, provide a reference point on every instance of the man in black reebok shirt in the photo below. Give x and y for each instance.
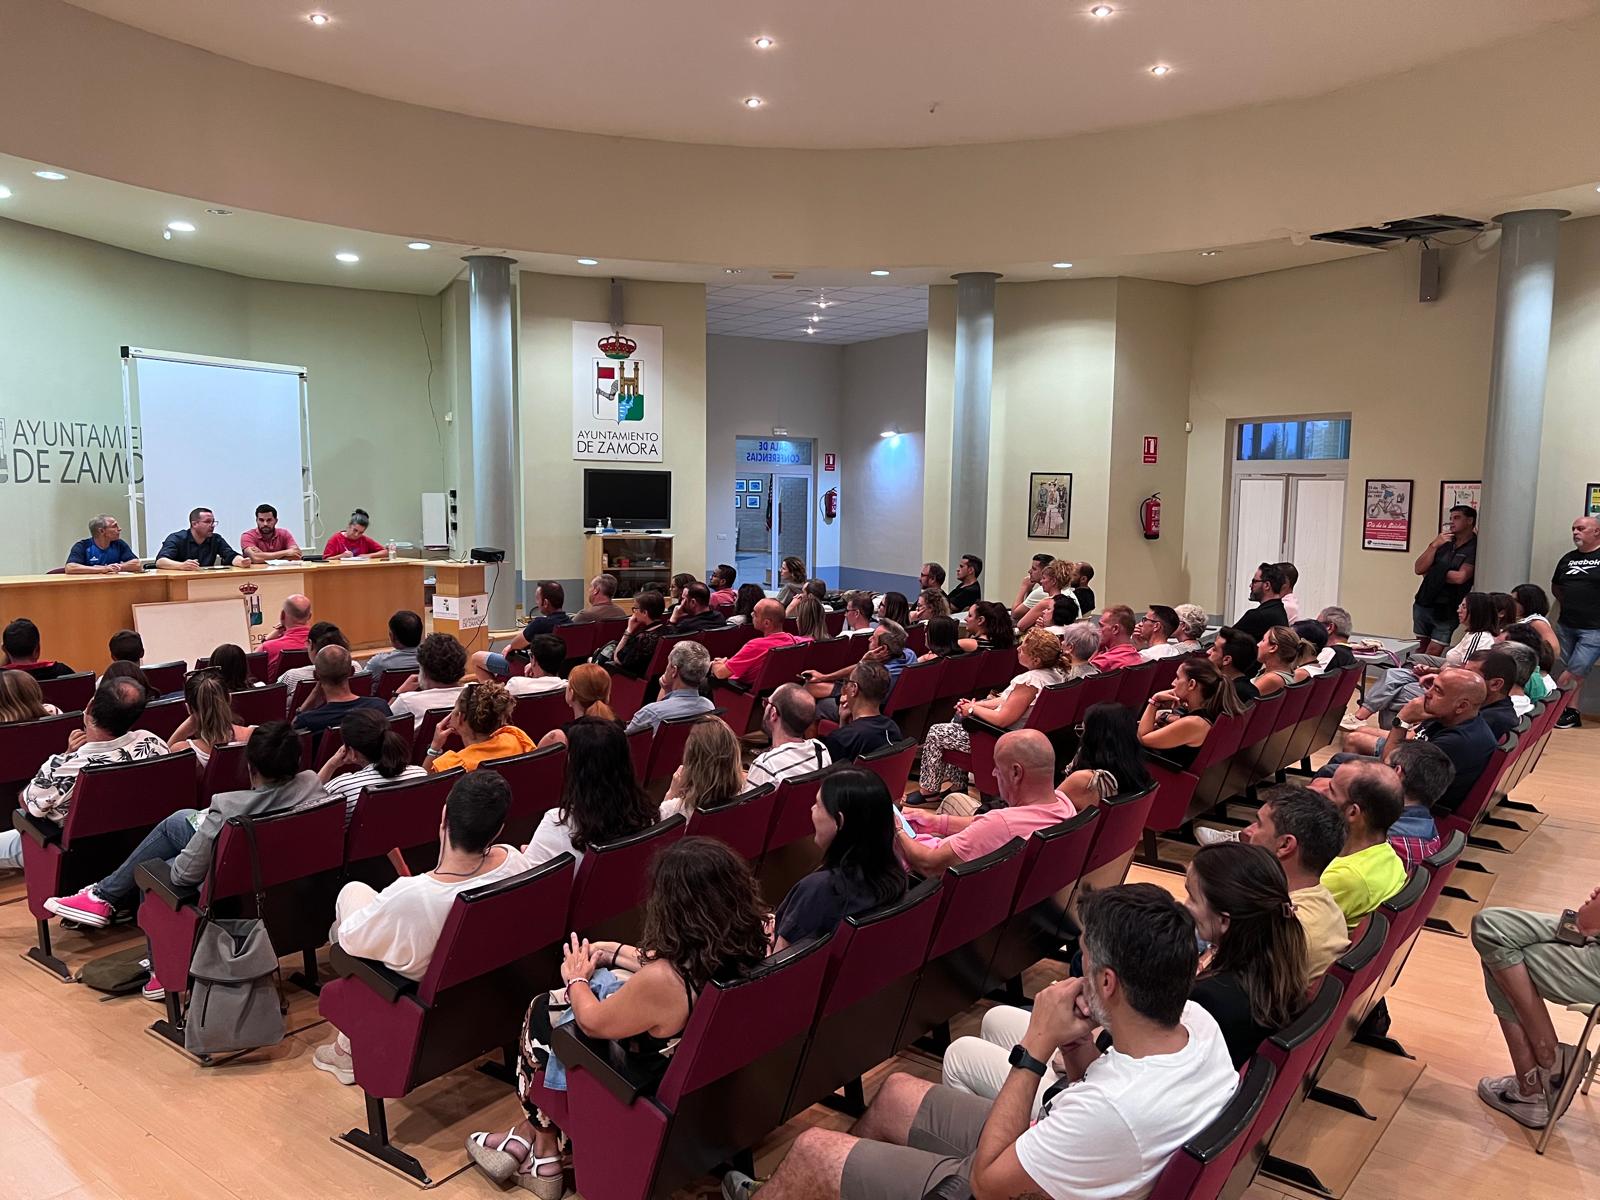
(1576, 584)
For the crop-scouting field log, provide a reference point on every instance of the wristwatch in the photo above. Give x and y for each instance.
(1021, 1058)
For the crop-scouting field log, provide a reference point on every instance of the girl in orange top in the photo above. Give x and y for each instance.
(481, 718)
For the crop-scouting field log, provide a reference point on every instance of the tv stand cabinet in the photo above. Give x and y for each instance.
(648, 559)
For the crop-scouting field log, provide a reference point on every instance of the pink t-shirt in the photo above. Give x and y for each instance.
(338, 544)
(998, 826)
(745, 664)
(1125, 655)
(279, 541)
(292, 639)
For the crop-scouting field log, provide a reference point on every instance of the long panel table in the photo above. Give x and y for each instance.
(77, 614)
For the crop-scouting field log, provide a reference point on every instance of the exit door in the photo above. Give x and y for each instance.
(1287, 518)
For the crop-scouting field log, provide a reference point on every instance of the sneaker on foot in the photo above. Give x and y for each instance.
(736, 1185)
(1504, 1094)
(335, 1062)
(1569, 720)
(152, 990)
(86, 908)
(1351, 723)
(1209, 835)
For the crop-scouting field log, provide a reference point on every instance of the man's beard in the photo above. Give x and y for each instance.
(1097, 1006)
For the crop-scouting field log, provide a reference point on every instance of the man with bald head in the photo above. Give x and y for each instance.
(1448, 715)
(293, 631)
(332, 700)
(1024, 766)
(1576, 584)
(767, 620)
(1368, 871)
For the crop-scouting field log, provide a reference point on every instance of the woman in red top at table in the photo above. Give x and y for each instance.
(352, 541)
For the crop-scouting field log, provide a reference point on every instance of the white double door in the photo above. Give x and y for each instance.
(1287, 518)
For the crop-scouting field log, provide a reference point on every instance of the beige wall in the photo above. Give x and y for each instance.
(552, 517)
(882, 492)
(67, 305)
(1155, 330)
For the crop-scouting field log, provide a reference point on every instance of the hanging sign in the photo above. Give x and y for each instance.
(617, 393)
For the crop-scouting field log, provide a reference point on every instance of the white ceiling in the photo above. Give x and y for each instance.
(844, 73)
(784, 312)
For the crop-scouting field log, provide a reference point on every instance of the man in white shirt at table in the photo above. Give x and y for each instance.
(399, 927)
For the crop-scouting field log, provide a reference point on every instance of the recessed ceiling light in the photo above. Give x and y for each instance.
(890, 432)
(318, 18)
(880, 273)
(809, 329)
(166, 235)
(1161, 69)
(814, 318)
(588, 262)
(5, 192)
(419, 245)
(764, 43)
(753, 102)
(345, 256)
(1101, 10)
(1209, 253)
(181, 226)
(220, 212)
(1062, 266)
(52, 176)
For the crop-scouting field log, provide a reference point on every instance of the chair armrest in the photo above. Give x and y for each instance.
(40, 830)
(734, 685)
(389, 985)
(576, 1050)
(974, 724)
(155, 877)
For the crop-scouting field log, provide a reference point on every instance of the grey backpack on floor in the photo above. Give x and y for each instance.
(234, 1002)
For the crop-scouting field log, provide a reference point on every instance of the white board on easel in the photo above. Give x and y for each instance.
(190, 629)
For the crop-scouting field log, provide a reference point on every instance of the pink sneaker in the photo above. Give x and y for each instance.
(152, 990)
(86, 908)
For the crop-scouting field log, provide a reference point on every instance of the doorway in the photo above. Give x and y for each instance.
(1288, 480)
(772, 492)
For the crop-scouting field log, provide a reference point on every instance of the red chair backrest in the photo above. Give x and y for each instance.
(256, 663)
(302, 690)
(739, 1021)
(918, 684)
(1136, 685)
(1121, 828)
(892, 764)
(742, 823)
(165, 677)
(289, 659)
(24, 745)
(256, 706)
(639, 742)
(1476, 801)
(835, 654)
(226, 771)
(615, 877)
(1356, 970)
(118, 796)
(997, 668)
(397, 816)
(290, 845)
(163, 717)
(579, 637)
(1261, 720)
(666, 747)
(834, 621)
(792, 817)
(1167, 671)
(1058, 706)
(874, 948)
(537, 715)
(780, 665)
(332, 738)
(494, 925)
(1222, 741)
(1101, 688)
(1053, 859)
(917, 638)
(536, 779)
(724, 642)
(1405, 910)
(1295, 698)
(69, 692)
(977, 897)
(1199, 1168)
(425, 731)
(1293, 1051)
(388, 682)
(960, 676)
(609, 630)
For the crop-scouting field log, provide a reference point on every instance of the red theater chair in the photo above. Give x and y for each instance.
(613, 880)
(396, 816)
(536, 780)
(24, 747)
(742, 823)
(69, 693)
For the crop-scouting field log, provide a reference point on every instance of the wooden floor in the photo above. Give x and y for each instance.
(91, 1105)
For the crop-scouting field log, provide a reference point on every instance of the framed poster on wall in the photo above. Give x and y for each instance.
(1454, 492)
(1050, 504)
(1591, 500)
(1386, 515)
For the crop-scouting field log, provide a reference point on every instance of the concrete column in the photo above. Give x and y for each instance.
(1523, 301)
(969, 441)
(491, 327)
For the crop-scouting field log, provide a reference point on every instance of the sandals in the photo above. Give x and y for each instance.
(496, 1162)
(546, 1187)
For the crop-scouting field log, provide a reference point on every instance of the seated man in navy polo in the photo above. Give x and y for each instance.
(103, 552)
(550, 597)
(198, 546)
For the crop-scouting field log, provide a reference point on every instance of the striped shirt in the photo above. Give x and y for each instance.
(789, 759)
(349, 786)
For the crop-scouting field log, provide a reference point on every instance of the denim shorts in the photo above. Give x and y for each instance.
(1579, 647)
(1427, 624)
(497, 664)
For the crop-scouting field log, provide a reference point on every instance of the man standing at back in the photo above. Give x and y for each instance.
(293, 631)
(1576, 584)
(1266, 589)
(1446, 565)
(967, 591)
(266, 542)
(198, 546)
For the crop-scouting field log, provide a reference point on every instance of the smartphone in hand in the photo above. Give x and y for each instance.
(1567, 929)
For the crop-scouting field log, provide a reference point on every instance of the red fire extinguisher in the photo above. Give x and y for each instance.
(1150, 517)
(830, 505)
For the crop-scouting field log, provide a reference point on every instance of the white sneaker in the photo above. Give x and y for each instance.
(1351, 723)
(328, 1057)
(1210, 835)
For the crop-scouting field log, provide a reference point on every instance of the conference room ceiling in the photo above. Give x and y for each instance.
(842, 73)
(837, 315)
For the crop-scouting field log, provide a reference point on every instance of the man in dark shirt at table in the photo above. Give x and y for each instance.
(550, 597)
(865, 728)
(1266, 586)
(331, 700)
(198, 546)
